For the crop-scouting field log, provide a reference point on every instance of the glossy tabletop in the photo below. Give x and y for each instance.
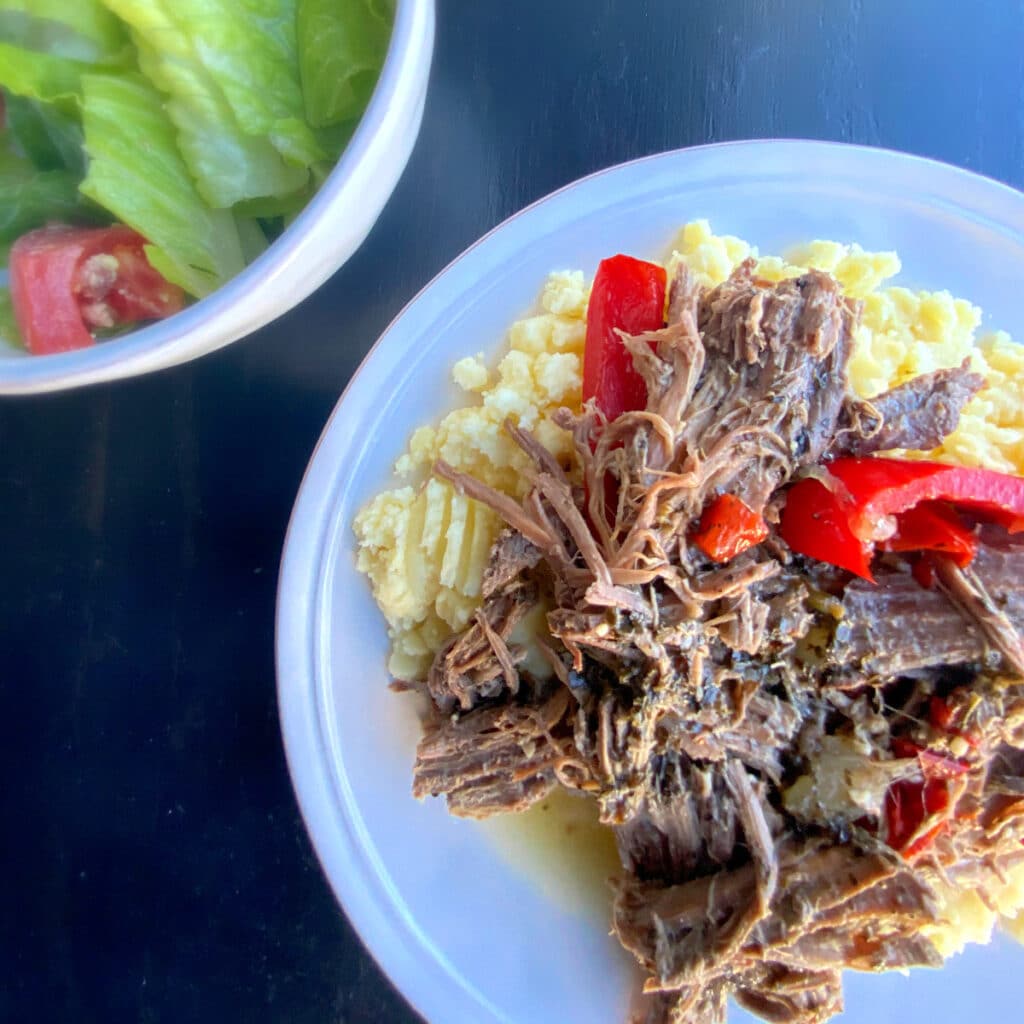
(153, 863)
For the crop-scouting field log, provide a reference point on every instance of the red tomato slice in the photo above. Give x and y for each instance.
(67, 281)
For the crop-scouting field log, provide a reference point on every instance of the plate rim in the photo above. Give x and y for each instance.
(397, 945)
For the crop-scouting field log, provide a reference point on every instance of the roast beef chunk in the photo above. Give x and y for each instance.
(511, 556)
(774, 382)
(666, 838)
(917, 415)
(477, 664)
(990, 593)
(834, 907)
(897, 627)
(493, 759)
(784, 995)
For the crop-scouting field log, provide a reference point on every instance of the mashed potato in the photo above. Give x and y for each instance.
(424, 548)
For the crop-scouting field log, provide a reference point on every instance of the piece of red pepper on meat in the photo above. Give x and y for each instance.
(727, 527)
(627, 295)
(897, 504)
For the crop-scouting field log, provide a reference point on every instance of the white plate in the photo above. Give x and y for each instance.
(464, 936)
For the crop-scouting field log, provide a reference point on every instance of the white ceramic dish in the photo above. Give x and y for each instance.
(466, 937)
(315, 245)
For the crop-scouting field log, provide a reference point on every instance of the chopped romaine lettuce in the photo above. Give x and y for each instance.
(49, 137)
(229, 163)
(30, 198)
(137, 173)
(341, 50)
(249, 49)
(8, 323)
(40, 76)
(82, 29)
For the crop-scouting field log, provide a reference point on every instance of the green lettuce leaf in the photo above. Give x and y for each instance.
(40, 76)
(231, 158)
(49, 137)
(251, 235)
(342, 44)
(81, 29)
(249, 48)
(8, 324)
(30, 198)
(137, 173)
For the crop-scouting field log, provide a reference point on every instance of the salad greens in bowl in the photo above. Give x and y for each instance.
(175, 173)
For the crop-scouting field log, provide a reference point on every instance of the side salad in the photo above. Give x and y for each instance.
(149, 149)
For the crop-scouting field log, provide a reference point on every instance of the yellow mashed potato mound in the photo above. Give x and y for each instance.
(424, 548)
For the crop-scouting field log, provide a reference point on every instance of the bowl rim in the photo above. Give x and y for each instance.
(405, 955)
(171, 341)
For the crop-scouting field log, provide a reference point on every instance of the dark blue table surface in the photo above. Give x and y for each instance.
(153, 863)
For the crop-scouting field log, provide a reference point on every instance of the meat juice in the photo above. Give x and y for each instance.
(559, 845)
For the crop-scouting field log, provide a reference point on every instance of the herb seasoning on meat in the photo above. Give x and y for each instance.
(794, 760)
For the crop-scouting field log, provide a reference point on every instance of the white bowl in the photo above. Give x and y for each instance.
(464, 934)
(326, 233)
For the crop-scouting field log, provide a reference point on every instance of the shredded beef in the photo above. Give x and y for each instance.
(895, 627)
(702, 933)
(990, 594)
(692, 700)
(478, 664)
(493, 759)
(774, 385)
(917, 414)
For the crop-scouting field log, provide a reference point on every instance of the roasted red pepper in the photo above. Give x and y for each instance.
(883, 487)
(893, 503)
(931, 526)
(727, 527)
(909, 803)
(940, 714)
(815, 523)
(942, 718)
(627, 295)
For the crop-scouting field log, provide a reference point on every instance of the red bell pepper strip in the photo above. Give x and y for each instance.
(67, 281)
(727, 527)
(909, 802)
(869, 501)
(883, 487)
(942, 718)
(903, 748)
(941, 766)
(931, 526)
(627, 295)
(815, 523)
(907, 805)
(923, 570)
(940, 714)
